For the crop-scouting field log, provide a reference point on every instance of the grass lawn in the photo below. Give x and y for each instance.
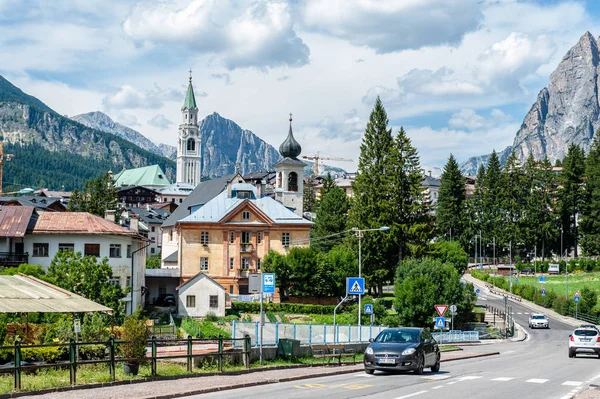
(557, 283)
(449, 348)
(88, 374)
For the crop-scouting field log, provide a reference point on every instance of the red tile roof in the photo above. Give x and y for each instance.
(14, 220)
(77, 223)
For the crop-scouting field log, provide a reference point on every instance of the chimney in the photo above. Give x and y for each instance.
(134, 224)
(109, 215)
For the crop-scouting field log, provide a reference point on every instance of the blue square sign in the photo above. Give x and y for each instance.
(355, 285)
(268, 283)
(440, 323)
(368, 309)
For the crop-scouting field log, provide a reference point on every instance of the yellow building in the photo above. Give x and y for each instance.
(229, 236)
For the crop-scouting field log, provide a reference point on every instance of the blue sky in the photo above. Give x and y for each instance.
(458, 75)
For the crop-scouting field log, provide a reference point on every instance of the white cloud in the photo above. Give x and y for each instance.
(393, 25)
(509, 61)
(160, 121)
(350, 128)
(242, 33)
(225, 77)
(442, 82)
(128, 97)
(126, 119)
(468, 119)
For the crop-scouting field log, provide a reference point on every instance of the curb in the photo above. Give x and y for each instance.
(215, 389)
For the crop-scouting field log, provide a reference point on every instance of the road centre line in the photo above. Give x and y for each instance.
(572, 383)
(503, 379)
(411, 395)
(537, 380)
(438, 387)
(469, 377)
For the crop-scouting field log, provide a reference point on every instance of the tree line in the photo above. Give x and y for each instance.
(524, 209)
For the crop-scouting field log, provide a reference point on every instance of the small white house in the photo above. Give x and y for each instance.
(200, 296)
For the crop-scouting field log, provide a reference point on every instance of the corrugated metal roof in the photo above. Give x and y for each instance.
(14, 220)
(26, 294)
(163, 272)
(147, 176)
(77, 223)
(220, 206)
(204, 192)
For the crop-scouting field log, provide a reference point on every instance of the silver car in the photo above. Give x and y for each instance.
(584, 341)
(538, 320)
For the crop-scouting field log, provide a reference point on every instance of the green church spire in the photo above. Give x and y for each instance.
(190, 100)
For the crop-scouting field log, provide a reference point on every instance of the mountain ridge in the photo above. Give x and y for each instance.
(565, 112)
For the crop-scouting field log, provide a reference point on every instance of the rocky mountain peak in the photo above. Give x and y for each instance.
(566, 112)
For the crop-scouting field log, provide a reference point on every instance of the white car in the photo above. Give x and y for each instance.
(584, 340)
(538, 320)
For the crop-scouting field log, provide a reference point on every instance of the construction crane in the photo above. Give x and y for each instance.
(318, 157)
(8, 157)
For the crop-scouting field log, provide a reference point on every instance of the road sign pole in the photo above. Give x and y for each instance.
(359, 234)
(576, 303)
(452, 322)
(262, 283)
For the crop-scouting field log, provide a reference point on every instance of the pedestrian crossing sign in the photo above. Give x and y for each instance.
(355, 286)
(440, 323)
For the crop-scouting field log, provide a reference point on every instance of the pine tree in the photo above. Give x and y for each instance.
(331, 215)
(310, 197)
(513, 195)
(372, 193)
(411, 222)
(590, 220)
(492, 214)
(571, 195)
(98, 195)
(475, 213)
(451, 205)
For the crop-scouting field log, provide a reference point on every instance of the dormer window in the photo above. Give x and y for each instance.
(244, 194)
(245, 215)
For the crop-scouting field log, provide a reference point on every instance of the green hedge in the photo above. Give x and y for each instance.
(295, 308)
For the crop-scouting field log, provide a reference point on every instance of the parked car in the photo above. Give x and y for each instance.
(538, 320)
(402, 349)
(165, 300)
(528, 270)
(584, 341)
(553, 268)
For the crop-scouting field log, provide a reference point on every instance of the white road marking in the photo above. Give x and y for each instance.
(519, 313)
(470, 377)
(452, 383)
(411, 395)
(572, 383)
(537, 380)
(438, 387)
(437, 377)
(503, 379)
(364, 375)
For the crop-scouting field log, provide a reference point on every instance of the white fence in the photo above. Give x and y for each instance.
(305, 333)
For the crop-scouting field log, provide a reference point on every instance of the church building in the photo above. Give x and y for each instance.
(188, 141)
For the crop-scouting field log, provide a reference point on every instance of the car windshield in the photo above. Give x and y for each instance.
(586, 333)
(539, 317)
(398, 336)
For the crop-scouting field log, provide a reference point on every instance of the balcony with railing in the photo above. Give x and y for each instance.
(246, 248)
(13, 259)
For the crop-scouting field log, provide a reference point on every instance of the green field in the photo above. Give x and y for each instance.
(557, 284)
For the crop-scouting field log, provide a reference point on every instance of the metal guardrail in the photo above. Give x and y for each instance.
(455, 336)
(584, 317)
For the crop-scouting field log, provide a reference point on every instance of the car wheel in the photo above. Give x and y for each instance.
(571, 354)
(369, 371)
(436, 367)
(420, 365)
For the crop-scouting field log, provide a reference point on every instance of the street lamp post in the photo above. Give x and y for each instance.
(359, 234)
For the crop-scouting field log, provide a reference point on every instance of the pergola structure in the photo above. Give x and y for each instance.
(26, 294)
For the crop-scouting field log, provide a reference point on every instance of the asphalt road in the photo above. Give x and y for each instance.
(538, 367)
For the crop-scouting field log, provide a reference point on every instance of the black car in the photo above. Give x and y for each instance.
(165, 300)
(402, 349)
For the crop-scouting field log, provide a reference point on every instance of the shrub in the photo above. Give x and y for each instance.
(43, 354)
(210, 316)
(294, 308)
(203, 329)
(231, 317)
(135, 334)
(271, 317)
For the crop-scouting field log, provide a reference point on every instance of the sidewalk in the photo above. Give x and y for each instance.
(536, 308)
(169, 388)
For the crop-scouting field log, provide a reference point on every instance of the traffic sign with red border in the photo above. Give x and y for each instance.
(441, 309)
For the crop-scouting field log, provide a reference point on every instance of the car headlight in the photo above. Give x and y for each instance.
(409, 351)
(369, 351)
